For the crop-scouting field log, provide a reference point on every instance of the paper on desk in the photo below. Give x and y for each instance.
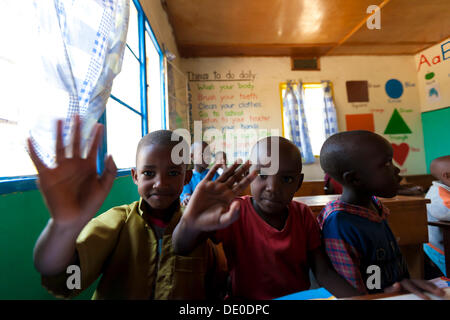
(412, 296)
(441, 282)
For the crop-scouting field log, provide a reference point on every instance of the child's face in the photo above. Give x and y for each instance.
(160, 181)
(378, 175)
(272, 193)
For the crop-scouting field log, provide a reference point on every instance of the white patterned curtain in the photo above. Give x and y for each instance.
(76, 50)
(296, 124)
(330, 119)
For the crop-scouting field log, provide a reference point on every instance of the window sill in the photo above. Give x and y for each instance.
(28, 183)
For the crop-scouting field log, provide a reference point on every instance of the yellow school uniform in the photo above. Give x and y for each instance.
(122, 247)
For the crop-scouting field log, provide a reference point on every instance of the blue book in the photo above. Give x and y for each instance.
(320, 293)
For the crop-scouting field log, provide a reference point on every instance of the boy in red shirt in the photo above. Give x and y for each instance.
(270, 241)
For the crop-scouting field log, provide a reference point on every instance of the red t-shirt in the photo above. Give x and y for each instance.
(266, 263)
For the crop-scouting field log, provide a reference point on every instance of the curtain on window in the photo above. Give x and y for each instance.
(77, 49)
(294, 113)
(330, 118)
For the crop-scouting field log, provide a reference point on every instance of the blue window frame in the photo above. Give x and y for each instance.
(138, 53)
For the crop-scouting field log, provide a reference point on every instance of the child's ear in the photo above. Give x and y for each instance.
(302, 176)
(446, 178)
(188, 176)
(350, 178)
(134, 175)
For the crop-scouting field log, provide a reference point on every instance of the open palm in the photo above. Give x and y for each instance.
(212, 206)
(72, 190)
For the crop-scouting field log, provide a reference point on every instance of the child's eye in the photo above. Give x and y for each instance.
(174, 173)
(263, 176)
(287, 179)
(389, 163)
(148, 173)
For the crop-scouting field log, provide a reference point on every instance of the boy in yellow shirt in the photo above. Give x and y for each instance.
(130, 246)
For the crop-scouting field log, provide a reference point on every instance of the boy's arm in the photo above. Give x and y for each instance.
(327, 276)
(73, 193)
(211, 207)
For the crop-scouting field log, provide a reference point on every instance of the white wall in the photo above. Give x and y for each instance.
(269, 72)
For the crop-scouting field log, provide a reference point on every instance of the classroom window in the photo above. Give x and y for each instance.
(136, 106)
(132, 113)
(313, 105)
(154, 89)
(14, 159)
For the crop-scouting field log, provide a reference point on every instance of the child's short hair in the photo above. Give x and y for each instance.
(439, 166)
(341, 152)
(283, 145)
(162, 138)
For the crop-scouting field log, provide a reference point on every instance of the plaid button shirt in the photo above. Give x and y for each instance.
(345, 258)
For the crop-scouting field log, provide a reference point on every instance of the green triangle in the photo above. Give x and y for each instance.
(397, 124)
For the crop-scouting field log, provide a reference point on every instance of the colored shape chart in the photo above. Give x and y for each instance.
(429, 76)
(360, 122)
(357, 91)
(394, 88)
(396, 124)
(433, 92)
(400, 152)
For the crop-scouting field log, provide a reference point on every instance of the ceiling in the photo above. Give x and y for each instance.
(305, 28)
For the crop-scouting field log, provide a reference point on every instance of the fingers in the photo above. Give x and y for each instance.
(229, 171)
(212, 172)
(60, 151)
(428, 287)
(410, 286)
(231, 215)
(109, 174)
(243, 184)
(40, 166)
(98, 134)
(238, 175)
(396, 287)
(76, 137)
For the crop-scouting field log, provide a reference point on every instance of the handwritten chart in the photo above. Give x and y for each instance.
(229, 105)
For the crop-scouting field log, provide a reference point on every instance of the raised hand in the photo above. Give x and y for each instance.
(212, 206)
(72, 190)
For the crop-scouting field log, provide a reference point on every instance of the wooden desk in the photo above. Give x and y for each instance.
(408, 221)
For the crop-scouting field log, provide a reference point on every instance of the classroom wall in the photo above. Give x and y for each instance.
(264, 75)
(176, 85)
(159, 22)
(24, 215)
(433, 77)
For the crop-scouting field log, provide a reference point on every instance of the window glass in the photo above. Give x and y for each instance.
(154, 97)
(126, 84)
(123, 132)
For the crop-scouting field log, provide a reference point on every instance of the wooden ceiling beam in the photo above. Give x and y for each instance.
(356, 28)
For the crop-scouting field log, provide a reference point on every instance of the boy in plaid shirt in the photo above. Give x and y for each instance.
(355, 229)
